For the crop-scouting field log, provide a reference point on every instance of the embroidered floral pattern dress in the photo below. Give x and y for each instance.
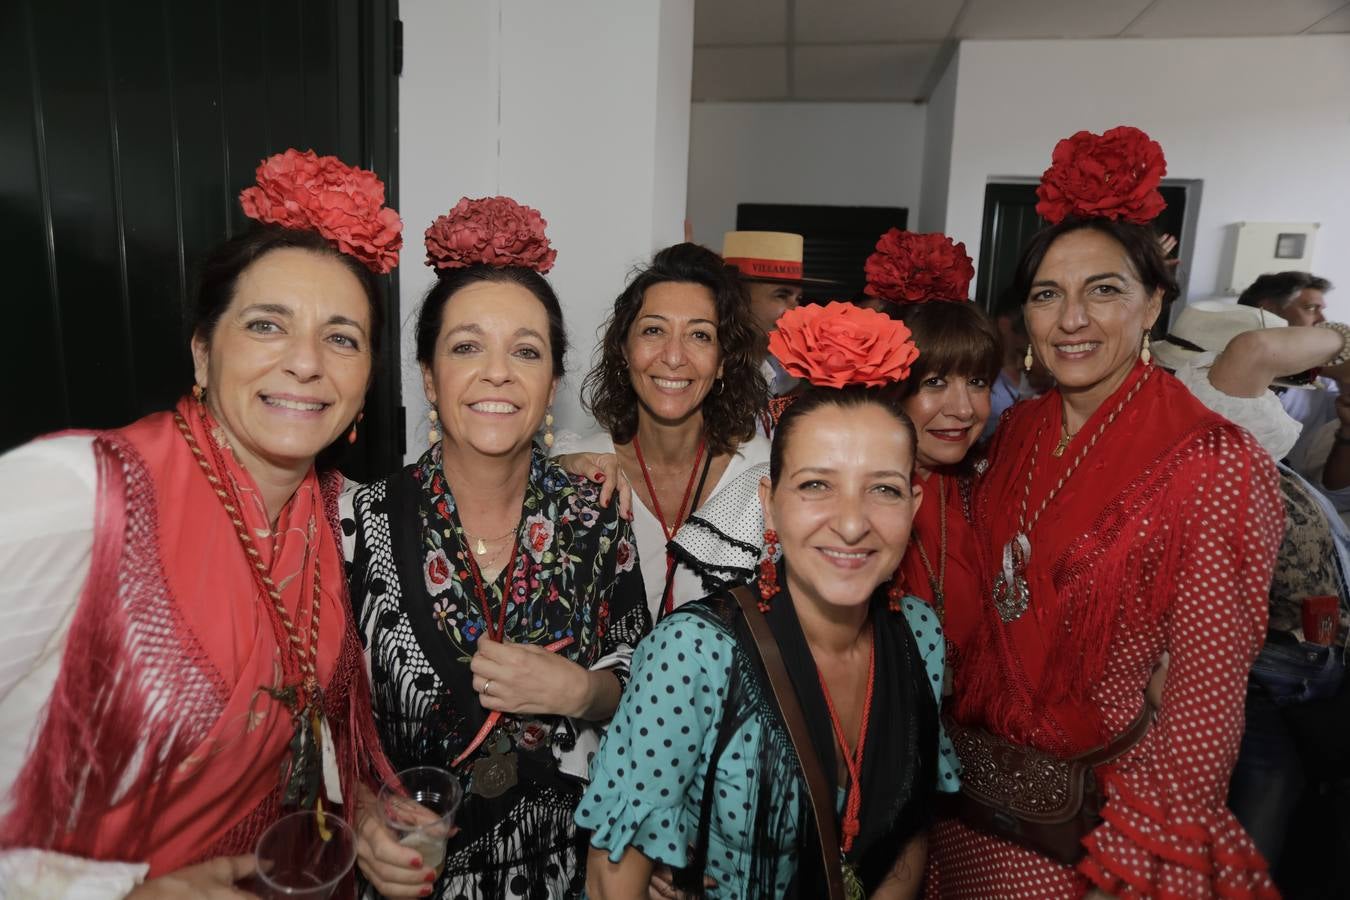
(574, 576)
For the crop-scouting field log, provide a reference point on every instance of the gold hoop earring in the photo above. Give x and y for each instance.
(1029, 361)
(1145, 353)
(434, 434)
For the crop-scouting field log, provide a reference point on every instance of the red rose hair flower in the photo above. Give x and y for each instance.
(491, 231)
(911, 268)
(345, 204)
(1114, 175)
(841, 344)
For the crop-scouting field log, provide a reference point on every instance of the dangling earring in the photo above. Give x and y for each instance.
(1029, 361)
(434, 435)
(768, 569)
(1146, 354)
(199, 393)
(351, 435)
(548, 430)
(896, 592)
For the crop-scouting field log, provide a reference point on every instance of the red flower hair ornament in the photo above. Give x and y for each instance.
(490, 231)
(308, 192)
(1114, 175)
(840, 344)
(912, 268)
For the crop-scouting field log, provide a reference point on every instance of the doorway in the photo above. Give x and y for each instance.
(127, 131)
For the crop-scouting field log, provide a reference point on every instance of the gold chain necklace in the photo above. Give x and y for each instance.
(1011, 594)
(937, 582)
(481, 547)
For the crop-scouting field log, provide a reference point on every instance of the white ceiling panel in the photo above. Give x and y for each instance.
(895, 72)
(1226, 18)
(1336, 23)
(740, 22)
(1048, 18)
(872, 21)
(740, 73)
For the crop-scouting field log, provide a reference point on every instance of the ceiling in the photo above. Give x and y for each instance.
(896, 49)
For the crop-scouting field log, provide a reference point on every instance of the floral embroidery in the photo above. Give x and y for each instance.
(625, 555)
(437, 571)
(541, 592)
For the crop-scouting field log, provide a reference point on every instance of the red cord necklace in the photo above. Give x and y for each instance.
(481, 592)
(669, 529)
(852, 761)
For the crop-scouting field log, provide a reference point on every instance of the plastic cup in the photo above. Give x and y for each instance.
(295, 859)
(420, 810)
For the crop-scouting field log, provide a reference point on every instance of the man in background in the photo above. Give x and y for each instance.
(769, 264)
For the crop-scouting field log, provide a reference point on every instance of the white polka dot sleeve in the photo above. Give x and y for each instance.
(1167, 829)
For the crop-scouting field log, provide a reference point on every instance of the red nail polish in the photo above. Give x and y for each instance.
(599, 476)
(415, 862)
(431, 876)
(425, 892)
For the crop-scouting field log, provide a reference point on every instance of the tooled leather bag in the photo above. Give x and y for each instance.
(1031, 798)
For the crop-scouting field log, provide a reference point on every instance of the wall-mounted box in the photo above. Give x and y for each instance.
(1270, 247)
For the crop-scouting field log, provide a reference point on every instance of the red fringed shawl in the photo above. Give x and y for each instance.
(1163, 541)
(159, 743)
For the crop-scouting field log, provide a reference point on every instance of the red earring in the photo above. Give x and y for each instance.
(896, 592)
(768, 570)
(351, 435)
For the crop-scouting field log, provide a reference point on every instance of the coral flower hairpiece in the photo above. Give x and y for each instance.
(1114, 175)
(490, 231)
(840, 344)
(345, 204)
(912, 268)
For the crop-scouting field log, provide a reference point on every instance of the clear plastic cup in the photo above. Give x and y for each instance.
(296, 860)
(420, 810)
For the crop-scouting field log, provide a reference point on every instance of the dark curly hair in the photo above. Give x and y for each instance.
(731, 411)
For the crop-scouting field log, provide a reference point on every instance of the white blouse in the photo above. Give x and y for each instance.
(651, 537)
(48, 490)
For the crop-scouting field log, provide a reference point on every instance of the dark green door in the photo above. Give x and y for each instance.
(1010, 220)
(127, 131)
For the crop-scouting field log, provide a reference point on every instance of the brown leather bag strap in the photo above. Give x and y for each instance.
(822, 805)
(1122, 743)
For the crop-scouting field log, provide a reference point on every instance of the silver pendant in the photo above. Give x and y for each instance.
(1011, 595)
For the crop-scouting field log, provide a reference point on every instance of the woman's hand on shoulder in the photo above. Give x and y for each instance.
(604, 470)
(395, 870)
(212, 880)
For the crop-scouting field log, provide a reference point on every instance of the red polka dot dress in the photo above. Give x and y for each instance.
(1160, 540)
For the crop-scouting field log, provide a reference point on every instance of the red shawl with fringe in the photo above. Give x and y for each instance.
(159, 743)
(1163, 541)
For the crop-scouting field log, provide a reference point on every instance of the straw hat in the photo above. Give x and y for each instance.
(1203, 330)
(773, 256)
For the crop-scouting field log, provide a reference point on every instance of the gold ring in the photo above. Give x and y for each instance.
(486, 685)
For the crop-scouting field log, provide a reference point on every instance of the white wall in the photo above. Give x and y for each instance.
(1265, 122)
(848, 154)
(937, 150)
(579, 110)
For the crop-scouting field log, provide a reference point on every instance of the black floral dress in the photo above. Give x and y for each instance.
(574, 580)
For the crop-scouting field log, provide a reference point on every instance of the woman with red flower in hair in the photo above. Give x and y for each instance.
(1125, 524)
(173, 589)
(499, 601)
(922, 280)
(783, 740)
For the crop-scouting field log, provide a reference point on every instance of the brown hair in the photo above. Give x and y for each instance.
(1139, 242)
(848, 398)
(953, 339)
(731, 410)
